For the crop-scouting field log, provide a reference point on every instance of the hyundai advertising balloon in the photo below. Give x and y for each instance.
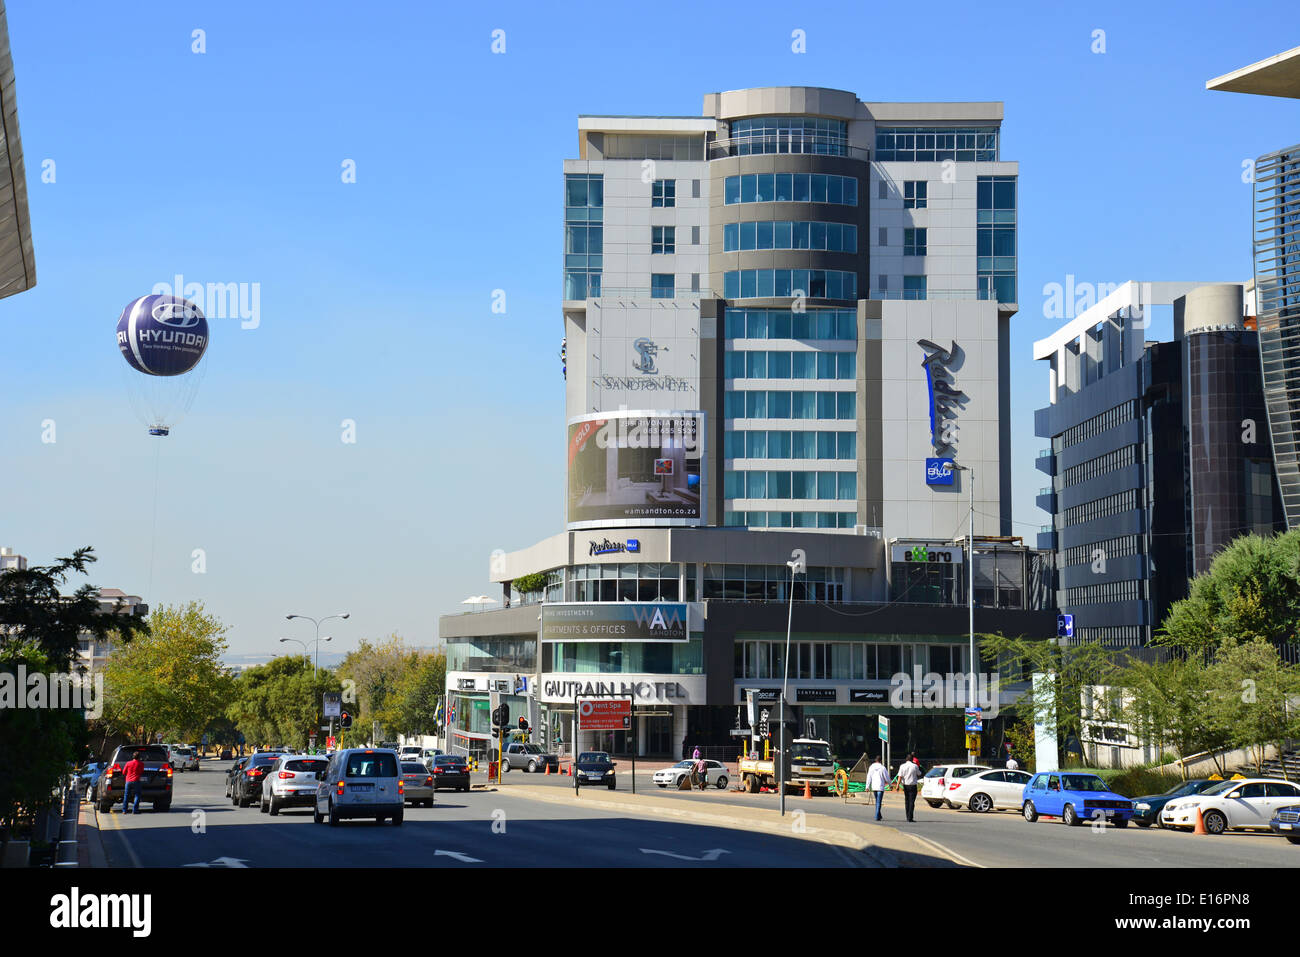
(162, 338)
(162, 335)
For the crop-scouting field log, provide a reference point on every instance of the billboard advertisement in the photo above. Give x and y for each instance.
(636, 468)
(604, 714)
(616, 621)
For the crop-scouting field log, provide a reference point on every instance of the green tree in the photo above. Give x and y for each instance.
(280, 703)
(1255, 697)
(372, 676)
(171, 680)
(1171, 704)
(1251, 591)
(421, 687)
(529, 584)
(1057, 705)
(39, 630)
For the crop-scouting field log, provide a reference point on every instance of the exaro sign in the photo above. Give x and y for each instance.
(946, 399)
(615, 621)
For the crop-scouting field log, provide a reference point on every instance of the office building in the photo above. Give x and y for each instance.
(1276, 248)
(786, 327)
(1159, 456)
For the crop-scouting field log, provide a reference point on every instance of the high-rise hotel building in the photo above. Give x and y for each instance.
(786, 326)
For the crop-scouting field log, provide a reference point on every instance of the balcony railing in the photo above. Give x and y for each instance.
(792, 142)
(932, 294)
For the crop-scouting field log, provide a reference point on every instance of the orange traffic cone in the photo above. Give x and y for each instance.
(1200, 823)
(548, 769)
(807, 789)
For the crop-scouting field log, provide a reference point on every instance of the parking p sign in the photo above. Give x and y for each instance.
(1064, 626)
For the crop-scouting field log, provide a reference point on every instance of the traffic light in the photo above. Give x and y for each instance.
(345, 720)
(523, 723)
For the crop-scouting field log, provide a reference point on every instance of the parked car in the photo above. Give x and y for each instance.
(988, 790)
(1146, 809)
(417, 782)
(934, 785)
(1243, 803)
(715, 773)
(594, 767)
(1075, 797)
(410, 752)
(528, 757)
(428, 754)
(226, 754)
(247, 787)
(235, 770)
(450, 771)
(291, 782)
(88, 776)
(1286, 821)
(155, 781)
(360, 782)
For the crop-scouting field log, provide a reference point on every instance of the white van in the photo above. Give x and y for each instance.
(360, 782)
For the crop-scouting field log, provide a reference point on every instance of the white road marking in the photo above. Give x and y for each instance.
(712, 855)
(463, 858)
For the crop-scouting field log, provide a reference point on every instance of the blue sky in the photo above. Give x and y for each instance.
(375, 296)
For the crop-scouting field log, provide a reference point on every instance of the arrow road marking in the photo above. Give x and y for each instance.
(712, 855)
(463, 858)
(222, 862)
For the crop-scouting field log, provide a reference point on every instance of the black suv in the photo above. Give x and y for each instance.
(594, 767)
(247, 786)
(155, 780)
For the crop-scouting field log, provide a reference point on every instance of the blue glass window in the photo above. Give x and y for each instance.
(914, 287)
(803, 365)
(826, 485)
(803, 445)
(756, 365)
(756, 405)
(825, 405)
(778, 445)
(756, 485)
(778, 365)
(803, 484)
(778, 484)
(846, 405)
(664, 193)
(778, 405)
(733, 405)
(804, 405)
(848, 485)
(733, 485)
(826, 444)
(662, 285)
(756, 445)
(847, 444)
(846, 365)
(734, 444)
(757, 324)
(787, 187)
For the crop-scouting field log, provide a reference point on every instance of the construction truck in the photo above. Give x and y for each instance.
(807, 762)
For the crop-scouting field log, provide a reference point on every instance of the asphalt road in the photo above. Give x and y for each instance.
(481, 828)
(1002, 838)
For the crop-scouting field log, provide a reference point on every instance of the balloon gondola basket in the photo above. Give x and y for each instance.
(159, 430)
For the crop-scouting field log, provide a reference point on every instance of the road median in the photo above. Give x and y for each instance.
(887, 846)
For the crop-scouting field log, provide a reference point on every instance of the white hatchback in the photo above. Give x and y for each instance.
(934, 786)
(361, 782)
(989, 790)
(291, 782)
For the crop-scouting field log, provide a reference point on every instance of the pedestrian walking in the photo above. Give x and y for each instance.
(908, 776)
(1012, 764)
(877, 781)
(131, 775)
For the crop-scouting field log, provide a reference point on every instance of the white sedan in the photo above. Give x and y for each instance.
(715, 774)
(1247, 803)
(934, 786)
(989, 790)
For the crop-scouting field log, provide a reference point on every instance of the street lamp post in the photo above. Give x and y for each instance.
(798, 565)
(970, 593)
(317, 623)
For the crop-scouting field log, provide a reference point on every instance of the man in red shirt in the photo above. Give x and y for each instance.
(131, 774)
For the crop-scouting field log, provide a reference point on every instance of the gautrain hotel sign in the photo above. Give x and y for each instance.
(617, 621)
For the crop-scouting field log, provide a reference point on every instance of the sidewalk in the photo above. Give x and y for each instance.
(90, 843)
(888, 846)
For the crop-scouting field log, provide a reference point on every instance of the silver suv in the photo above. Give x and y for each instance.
(529, 757)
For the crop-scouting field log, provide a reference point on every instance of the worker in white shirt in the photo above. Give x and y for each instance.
(909, 773)
(1012, 764)
(877, 781)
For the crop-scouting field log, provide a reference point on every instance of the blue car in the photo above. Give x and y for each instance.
(1075, 797)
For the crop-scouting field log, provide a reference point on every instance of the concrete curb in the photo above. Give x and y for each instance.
(90, 840)
(820, 828)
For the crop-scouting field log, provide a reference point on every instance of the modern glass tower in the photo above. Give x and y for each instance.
(1276, 246)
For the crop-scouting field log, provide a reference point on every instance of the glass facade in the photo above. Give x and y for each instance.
(632, 658)
(491, 654)
(764, 364)
(873, 658)
(785, 234)
(584, 202)
(839, 324)
(752, 519)
(790, 188)
(779, 444)
(789, 134)
(772, 583)
(995, 237)
(1277, 283)
(933, 144)
(629, 581)
(788, 283)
